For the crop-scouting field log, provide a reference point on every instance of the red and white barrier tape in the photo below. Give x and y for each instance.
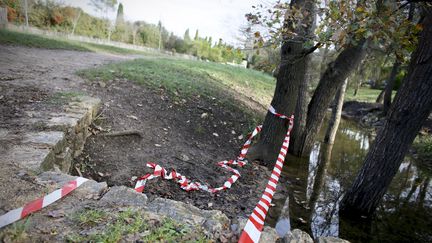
(38, 204)
(187, 185)
(254, 225)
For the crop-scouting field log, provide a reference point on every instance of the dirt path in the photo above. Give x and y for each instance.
(175, 133)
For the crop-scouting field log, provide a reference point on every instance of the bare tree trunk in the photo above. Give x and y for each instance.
(412, 106)
(336, 73)
(336, 114)
(380, 97)
(291, 81)
(389, 86)
(26, 13)
(300, 112)
(76, 21)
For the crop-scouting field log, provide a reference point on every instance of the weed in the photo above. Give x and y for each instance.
(423, 146)
(91, 217)
(16, 232)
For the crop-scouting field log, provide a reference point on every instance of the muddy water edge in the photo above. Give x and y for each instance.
(315, 185)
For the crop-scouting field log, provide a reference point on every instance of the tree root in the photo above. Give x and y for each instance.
(123, 133)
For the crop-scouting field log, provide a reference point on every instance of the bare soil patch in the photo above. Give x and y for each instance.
(189, 135)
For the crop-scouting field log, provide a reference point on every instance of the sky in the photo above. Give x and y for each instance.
(215, 18)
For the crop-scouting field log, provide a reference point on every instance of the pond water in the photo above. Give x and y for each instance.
(316, 185)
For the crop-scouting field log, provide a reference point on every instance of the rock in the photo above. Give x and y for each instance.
(330, 240)
(297, 236)
(102, 84)
(184, 157)
(124, 196)
(268, 234)
(211, 220)
(204, 115)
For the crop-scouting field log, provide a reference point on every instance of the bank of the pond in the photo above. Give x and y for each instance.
(316, 185)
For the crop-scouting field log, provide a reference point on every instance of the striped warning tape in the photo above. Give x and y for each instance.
(254, 225)
(40, 203)
(187, 185)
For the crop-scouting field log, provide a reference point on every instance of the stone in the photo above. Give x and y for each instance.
(268, 234)
(124, 196)
(297, 236)
(331, 240)
(90, 189)
(211, 220)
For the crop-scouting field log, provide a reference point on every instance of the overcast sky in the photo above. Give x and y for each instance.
(216, 18)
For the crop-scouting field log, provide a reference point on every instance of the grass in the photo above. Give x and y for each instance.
(15, 233)
(60, 98)
(25, 39)
(113, 227)
(364, 95)
(423, 147)
(185, 77)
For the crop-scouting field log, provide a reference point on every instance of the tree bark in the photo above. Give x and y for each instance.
(380, 98)
(337, 71)
(291, 80)
(389, 87)
(412, 105)
(336, 115)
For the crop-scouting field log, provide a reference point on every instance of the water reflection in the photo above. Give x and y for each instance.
(316, 188)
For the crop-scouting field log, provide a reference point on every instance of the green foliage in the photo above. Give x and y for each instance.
(16, 232)
(423, 147)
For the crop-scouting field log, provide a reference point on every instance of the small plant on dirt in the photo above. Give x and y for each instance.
(61, 98)
(15, 232)
(91, 217)
(131, 225)
(423, 147)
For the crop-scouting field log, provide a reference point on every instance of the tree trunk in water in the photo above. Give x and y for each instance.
(336, 114)
(336, 73)
(389, 87)
(380, 97)
(412, 105)
(291, 80)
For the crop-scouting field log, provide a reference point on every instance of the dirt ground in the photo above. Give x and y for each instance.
(174, 131)
(176, 135)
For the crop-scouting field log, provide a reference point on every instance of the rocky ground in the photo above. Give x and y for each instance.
(47, 115)
(49, 122)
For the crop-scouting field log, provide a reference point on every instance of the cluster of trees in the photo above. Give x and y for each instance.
(355, 31)
(55, 16)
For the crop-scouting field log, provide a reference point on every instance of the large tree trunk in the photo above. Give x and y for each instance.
(336, 114)
(412, 105)
(337, 71)
(291, 76)
(300, 112)
(389, 87)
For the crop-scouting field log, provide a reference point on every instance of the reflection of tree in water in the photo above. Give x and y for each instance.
(324, 197)
(315, 189)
